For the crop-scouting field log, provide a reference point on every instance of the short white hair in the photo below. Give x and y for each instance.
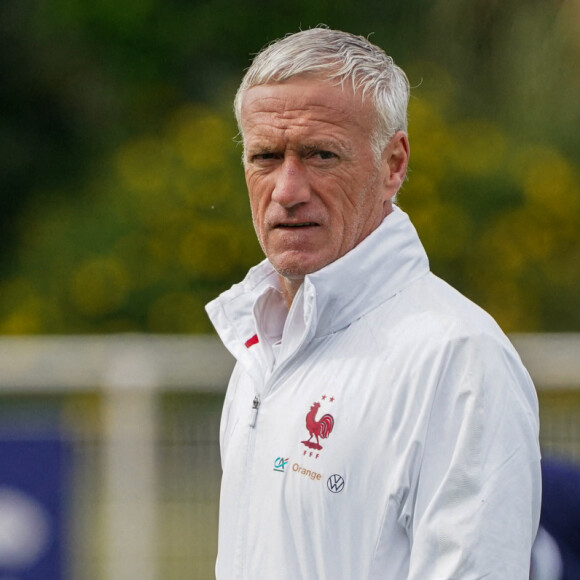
(336, 56)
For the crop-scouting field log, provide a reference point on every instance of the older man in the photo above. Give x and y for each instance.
(377, 423)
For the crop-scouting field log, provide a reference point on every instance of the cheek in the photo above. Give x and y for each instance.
(258, 209)
(256, 217)
(254, 197)
(364, 209)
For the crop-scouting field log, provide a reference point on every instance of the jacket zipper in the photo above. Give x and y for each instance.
(249, 459)
(243, 539)
(255, 409)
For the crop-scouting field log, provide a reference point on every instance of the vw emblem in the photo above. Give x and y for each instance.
(335, 483)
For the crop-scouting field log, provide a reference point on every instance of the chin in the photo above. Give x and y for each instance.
(295, 264)
(296, 271)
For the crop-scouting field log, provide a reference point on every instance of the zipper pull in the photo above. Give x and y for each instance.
(255, 407)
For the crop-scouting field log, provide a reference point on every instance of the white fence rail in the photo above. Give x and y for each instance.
(61, 363)
(130, 371)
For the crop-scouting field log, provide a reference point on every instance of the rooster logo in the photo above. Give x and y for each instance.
(320, 429)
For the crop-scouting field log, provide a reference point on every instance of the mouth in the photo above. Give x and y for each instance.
(298, 225)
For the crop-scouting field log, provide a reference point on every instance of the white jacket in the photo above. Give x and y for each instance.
(393, 437)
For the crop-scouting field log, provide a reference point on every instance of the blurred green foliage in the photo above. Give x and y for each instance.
(123, 204)
(160, 228)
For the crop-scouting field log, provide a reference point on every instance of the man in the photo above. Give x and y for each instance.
(377, 423)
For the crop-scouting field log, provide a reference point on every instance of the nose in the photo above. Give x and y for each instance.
(291, 186)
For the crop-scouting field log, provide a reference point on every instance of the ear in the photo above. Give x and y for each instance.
(395, 162)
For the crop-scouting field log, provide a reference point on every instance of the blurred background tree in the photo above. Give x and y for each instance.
(123, 205)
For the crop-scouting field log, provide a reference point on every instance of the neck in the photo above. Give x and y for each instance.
(289, 288)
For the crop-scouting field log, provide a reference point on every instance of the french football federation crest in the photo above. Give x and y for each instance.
(318, 428)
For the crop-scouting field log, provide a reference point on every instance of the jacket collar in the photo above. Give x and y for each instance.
(382, 265)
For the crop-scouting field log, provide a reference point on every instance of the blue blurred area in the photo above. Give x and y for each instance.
(34, 493)
(561, 511)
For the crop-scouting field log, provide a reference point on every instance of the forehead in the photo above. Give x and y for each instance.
(303, 105)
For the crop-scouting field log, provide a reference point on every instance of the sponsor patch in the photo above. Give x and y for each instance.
(280, 463)
(335, 483)
(313, 475)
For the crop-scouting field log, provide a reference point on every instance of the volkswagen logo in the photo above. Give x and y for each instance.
(335, 483)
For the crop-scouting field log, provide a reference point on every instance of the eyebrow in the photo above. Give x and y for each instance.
(326, 145)
(319, 146)
(332, 145)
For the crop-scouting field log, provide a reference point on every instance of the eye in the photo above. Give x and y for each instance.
(321, 156)
(326, 154)
(262, 157)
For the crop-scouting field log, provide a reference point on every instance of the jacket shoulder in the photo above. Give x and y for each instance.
(429, 317)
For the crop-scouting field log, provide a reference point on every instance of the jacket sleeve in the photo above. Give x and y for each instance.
(477, 493)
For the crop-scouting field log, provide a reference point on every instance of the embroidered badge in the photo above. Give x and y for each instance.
(318, 428)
